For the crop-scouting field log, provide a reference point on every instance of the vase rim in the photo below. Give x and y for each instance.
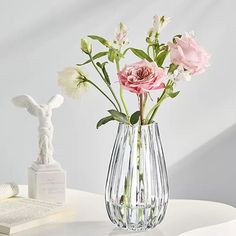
(136, 125)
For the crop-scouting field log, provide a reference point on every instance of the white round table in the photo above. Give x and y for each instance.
(90, 217)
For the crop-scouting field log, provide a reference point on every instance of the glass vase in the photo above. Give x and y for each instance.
(137, 185)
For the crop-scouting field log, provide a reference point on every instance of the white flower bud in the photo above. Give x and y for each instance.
(159, 23)
(121, 35)
(86, 46)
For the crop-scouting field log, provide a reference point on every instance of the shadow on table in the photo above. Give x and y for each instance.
(101, 229)
(82, 229)
(208, 172)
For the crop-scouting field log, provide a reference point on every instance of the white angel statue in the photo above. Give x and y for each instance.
(44, 114)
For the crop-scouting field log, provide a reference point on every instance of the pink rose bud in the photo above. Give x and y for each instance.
(188, 53)
(141, 77)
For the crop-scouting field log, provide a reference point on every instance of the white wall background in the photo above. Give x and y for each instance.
(39, 38)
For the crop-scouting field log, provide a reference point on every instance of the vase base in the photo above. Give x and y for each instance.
(139, 218)
(135, 228)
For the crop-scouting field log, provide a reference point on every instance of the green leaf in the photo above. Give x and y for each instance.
(99, 64)
(106, 76)
(101, 40)
(104, 120)
(118, 54)
(134, 117)
(156, 48)
(174, 94)
(111, 55)
(139, 53)
(96, 56)
(169, 91)
(162, 45)
(114, 54)
(172, 68)
(150, 42)
(161, 57)
(100, 54)
(119, 116)
(176, 36)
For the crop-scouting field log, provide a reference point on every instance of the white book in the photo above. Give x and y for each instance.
(18, 214)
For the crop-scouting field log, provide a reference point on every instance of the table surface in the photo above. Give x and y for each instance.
(90, 218)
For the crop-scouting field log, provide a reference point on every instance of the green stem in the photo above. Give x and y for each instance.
(154, 109)
(89, 81)
(109, 87)
(141, 108)
(113, 94)
(144, 102)
(153, 51)
(121, 91)
(148, 50)
(139, 170)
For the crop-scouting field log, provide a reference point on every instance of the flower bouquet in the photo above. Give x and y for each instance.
(137, 185)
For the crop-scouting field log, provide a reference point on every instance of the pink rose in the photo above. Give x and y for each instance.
(141, 77)
(189, 54)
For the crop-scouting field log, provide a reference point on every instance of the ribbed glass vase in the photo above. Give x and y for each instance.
(137, 186)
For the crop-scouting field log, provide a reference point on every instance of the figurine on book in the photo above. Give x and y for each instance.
(46, 178)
